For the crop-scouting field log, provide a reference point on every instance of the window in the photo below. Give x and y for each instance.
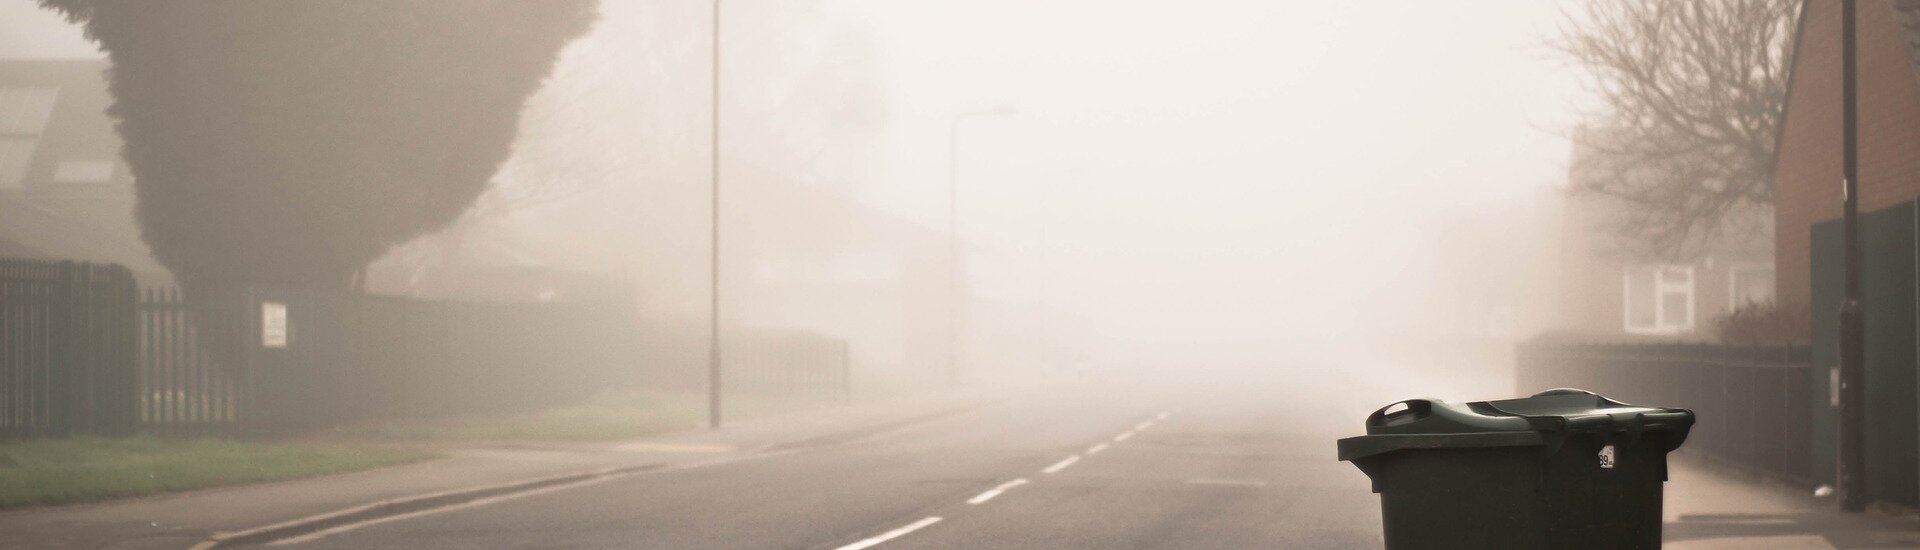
(15, 154)
(24, 111)
(83, 171)
(23, 115)
(1749, 285)
(1658, 299)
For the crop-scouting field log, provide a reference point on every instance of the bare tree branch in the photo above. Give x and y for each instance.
(1691, 94)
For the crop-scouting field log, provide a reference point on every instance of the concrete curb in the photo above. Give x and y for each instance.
(406, 505)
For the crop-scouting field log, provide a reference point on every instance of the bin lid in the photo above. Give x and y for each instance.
(1543, 419)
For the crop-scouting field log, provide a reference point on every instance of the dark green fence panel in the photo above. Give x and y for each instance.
(353, 358)
(84, 350)
(1826, 296)
(191, 381)
(67, 349)
(1890, 286)
(1750, 401)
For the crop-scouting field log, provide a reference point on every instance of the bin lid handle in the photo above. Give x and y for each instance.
(1401, 412)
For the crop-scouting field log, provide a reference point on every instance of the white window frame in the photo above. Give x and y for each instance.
(24, 115)
(1733, 282)
(1661, 289)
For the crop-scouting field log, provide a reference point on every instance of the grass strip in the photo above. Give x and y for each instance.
(85, 469)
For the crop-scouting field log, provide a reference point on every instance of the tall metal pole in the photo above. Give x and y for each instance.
(713, 337)
(953, 251)
(1852, 463)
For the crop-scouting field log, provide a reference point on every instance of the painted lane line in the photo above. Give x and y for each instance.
(890, 535)
(1162, 416)
(1123, 436)
(1096, 448)
(1227, 482)
(994, 492)
(1143, 426)
(1061, 465)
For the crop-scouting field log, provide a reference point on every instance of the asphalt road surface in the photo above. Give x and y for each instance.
(1224, 465)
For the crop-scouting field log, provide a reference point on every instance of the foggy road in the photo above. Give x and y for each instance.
(1095, 468)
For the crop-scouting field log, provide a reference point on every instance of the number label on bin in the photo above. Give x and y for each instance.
(1606, 457)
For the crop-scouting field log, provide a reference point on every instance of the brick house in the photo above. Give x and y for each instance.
(1809, 245)
(1607, 291)
(1809, 164)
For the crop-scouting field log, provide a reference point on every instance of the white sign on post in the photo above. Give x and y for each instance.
(273, 325)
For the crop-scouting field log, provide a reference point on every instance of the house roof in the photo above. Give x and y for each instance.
(92, 221)
(91, 230)
(10, 249)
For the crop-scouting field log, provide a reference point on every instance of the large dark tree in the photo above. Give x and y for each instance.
(289, 143)
(1691, 98)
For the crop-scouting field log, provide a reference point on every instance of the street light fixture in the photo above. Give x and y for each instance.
(954, 301)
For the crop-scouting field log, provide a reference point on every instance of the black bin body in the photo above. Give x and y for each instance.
(1564, 469)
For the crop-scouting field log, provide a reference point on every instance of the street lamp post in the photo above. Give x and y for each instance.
(954, 300)
(713, 337)
(1851, 474)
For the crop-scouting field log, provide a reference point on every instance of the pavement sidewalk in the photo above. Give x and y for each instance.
(1709, 507)
(183, 520)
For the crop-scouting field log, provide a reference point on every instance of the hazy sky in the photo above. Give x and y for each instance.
(1225, 169)
(28, 32)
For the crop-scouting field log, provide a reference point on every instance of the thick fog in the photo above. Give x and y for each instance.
(1251, 184)
(1255, 185)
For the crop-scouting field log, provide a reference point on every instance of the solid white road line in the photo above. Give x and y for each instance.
(994, 492)
(605, 475)
(1123, 436)
(1096, 448)
(1229, 482)
(317, 535)
(890, 535)
(1062, 465)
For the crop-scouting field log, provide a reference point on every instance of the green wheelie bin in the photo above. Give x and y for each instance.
(1563, 469)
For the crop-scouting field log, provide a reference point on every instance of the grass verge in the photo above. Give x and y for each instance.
(84, 469)
(609, 417)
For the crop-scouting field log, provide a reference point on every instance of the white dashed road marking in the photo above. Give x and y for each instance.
(1062, 465)
(994, 492)
(1096, 448)
(1123, 436)
(890, 535)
